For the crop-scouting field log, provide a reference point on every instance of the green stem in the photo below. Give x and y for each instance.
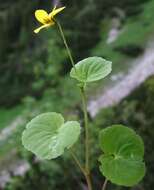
(87, 176)
(87, 168)
(65, 43)
(77, 162)
(85, 171)
(104, 185)
(84, 103)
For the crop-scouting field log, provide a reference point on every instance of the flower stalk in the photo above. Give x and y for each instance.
(86, 170)
(84, 103)
(65, 43)
(104, 184)
(87, 167)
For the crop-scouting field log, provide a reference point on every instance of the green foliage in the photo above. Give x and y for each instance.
(91, 69)
(8, 115)
(131, 7)
(27, 71)
(48, 136)
(48, 175)
(137, 111)
(122, 161)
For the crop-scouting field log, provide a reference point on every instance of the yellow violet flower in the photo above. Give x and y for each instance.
(46, 19)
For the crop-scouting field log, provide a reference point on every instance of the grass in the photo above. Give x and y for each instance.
(8, 115)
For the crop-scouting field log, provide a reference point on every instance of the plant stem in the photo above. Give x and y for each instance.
(104, 185)
(84, 103)
(77, 162)
(88, 180)
(86, 170)
(87, 176)
(65, 43)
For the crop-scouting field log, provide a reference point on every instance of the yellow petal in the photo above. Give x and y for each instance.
(55, 11)
(41, 27)
(42, 16)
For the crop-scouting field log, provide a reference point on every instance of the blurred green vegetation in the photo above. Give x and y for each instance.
(8, 116)
(26, 58)
(135, 111)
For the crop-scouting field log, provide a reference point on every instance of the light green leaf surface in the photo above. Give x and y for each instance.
(91, 69)
(122, 161)
(47, 136)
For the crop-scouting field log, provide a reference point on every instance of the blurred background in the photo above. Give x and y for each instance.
(34, 78)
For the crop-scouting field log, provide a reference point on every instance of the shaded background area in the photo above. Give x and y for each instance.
(34, 78)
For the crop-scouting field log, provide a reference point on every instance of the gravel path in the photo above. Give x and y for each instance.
(7, 131)
(13, 169)
(18, 169)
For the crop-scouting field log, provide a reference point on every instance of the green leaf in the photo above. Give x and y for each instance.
(47, 136)
(91, 69)
(122, 161)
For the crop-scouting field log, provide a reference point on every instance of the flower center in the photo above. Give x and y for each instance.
(47, 20)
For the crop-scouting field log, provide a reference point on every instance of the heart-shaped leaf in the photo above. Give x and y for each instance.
(91, 69)
(47, 136)
(122, 161)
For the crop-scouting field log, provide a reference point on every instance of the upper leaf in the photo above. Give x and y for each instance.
(47, 135)
(122, 161)
(91, 69)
